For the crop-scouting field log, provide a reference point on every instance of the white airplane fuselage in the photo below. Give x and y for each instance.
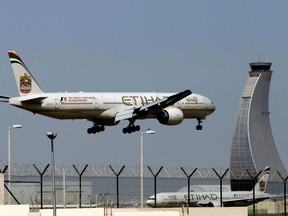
(211, 199)
(104, 106)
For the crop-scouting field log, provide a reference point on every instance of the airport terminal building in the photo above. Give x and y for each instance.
(253, 147)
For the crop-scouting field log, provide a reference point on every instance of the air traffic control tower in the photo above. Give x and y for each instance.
(253, 147)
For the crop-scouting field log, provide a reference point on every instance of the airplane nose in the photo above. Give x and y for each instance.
(150, 201)
(211, 106)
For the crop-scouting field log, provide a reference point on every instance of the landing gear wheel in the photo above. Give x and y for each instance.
(102, 128)
(95, 129)
(131, 128)
(199, 126)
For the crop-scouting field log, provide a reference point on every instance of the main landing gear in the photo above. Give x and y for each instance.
(199, 126)
(95, 129)
(131, 128)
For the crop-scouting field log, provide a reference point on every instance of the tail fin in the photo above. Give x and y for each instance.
(25, 82)
(261, 185)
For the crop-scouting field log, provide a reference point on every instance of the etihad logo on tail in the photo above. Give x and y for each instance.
(25, 83)
(262, 185)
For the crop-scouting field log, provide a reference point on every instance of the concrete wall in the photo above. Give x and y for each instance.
(73, 212)
(146, 212)
(237, 211)
(228, 211)
(14, 210)
(23, 210)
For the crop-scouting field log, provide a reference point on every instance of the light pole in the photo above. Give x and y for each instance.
(52, 136)
(142, 163)
(9, 155)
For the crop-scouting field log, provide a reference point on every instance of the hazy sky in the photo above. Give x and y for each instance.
(205, 46)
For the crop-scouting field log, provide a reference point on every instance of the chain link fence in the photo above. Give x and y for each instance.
(32, 183)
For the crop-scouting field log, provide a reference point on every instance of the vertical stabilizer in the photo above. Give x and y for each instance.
(262, 182)
(25, 82)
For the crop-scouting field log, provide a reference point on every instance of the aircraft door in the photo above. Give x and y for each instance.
(57, 104)
(96, 103)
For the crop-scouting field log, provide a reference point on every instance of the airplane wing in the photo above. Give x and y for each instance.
(244, 201)
(160, 104)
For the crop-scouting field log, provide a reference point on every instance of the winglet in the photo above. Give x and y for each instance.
(26, 83)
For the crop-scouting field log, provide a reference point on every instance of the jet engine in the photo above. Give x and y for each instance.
(210, 204)
(170, 116)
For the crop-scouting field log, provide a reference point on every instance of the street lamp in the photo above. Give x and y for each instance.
(52, 136)
(9, 155)
(141, 163)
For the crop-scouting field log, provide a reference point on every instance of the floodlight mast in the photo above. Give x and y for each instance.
(15, 126)
(142, 165)
(52, 136)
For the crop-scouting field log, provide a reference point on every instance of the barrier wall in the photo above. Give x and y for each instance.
(74, 212)
(146, 212)
(228, 211)
(235, 211)
(23, 210)
(14, 210)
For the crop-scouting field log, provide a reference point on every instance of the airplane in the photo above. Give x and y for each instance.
(212, 198)
(106, 108)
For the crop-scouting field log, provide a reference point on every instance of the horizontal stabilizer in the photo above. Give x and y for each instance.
(33, 100)
(5, 99)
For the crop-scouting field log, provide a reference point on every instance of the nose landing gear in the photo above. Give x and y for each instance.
(199, 126)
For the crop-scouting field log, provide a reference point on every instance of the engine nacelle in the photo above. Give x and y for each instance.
(170, 116)
(210, 204)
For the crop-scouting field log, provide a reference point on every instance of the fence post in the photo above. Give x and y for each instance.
(284, 181)
(221, 183)
(188, 177)
(4, 170)
(1, 188)
(155, 176)
(80, 181)
(11, 194)
(254, 181)
(117, 181)
(41, 181)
